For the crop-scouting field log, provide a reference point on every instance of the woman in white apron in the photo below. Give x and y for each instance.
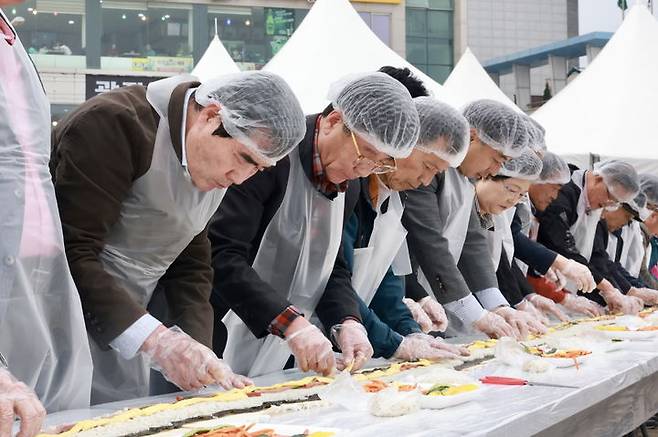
(443, 142)
(168, 207)
(298, 250)
(568, 226)
(440, 219)
(42, 333)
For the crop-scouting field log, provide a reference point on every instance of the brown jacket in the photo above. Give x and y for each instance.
(99, 150)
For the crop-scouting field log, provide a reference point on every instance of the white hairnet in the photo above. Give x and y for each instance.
(649, 186)
(257, 108)
(527, 166)
(638, 206)
(440, 121)
(555, 170)
(536, 132)
(620, 178)
(380, 109)
(498, 126)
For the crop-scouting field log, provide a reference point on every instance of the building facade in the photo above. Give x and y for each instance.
(502, 27)
(85, 47)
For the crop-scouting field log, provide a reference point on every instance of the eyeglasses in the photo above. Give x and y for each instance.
(377, 167)
(513, 192)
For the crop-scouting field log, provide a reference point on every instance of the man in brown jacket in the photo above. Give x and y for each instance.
(138, 173)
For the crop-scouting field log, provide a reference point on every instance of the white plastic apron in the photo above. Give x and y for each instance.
(162, 214)
(584, 229)
(613, 241)
(42, 331)
(529, 227)
(455, 208)
(632, 252)
(500, 238)
(296, 257)
(387, 245)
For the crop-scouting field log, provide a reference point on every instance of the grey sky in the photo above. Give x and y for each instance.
(602, 15)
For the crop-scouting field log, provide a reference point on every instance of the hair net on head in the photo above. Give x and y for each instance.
(380, 109)
(620, 178)
(555, 170)
(258, 109)
(638, 206)
(536, 133)
(527, 166)
(649, 186)
(498, 126)
(443, 130)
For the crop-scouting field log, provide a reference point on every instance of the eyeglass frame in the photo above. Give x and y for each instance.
(379, 167)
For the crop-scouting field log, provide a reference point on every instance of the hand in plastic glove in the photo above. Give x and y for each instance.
(582, 305)
(418, 314)
(547, 306)
(649, 297)
(186, 362)
(310, 347)
(352, 339)
(579, 274)
(494, 326)
(436, 314)
(618, 303)
(423, 346)
(556, 278)
(18, 399)
(522, 321)
(527, 307)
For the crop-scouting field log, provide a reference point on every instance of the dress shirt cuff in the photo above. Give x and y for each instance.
(130, 340)
(491, 298)
(466, 309)
(283, 321)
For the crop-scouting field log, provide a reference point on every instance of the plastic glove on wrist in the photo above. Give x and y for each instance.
(423, 346)
(522, 321)
(418, 314)
(436, 314)
(582, 305)
(17, 399)
(580, 275)
(547, 306)
(187, 363)
(618, 303)
(527, 307)
(556, 278)
(312, 350)
(495, 326)
(352, 339)
(649, 297)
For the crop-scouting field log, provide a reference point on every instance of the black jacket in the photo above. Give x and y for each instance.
(511, 280)
(236, 231)
(534, 254)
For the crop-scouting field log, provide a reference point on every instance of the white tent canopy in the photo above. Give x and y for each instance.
(331, 42)
(468, 82)
(215, 62)
(610, 109)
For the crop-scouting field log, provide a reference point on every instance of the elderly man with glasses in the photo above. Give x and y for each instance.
(277, 239)
(569, 224)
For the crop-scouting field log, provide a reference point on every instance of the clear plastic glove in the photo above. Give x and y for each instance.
(582, 305)
(423, 346)
(187, 363)
(495, 326)
(312, 350)
(556, 278)
(418, 314)
(17, 399)
(618, 303)
(547, 306)
(522, 321)
(352, 339)
(649, 297)
(580, 275)
(436, 314)
(528, 307)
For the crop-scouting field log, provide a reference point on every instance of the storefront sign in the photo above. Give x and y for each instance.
(96, 84)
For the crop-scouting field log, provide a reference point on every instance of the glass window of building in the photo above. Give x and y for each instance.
(430, 36)
(51, 31)
(380, 24)
(146, 37)
(253, 35)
